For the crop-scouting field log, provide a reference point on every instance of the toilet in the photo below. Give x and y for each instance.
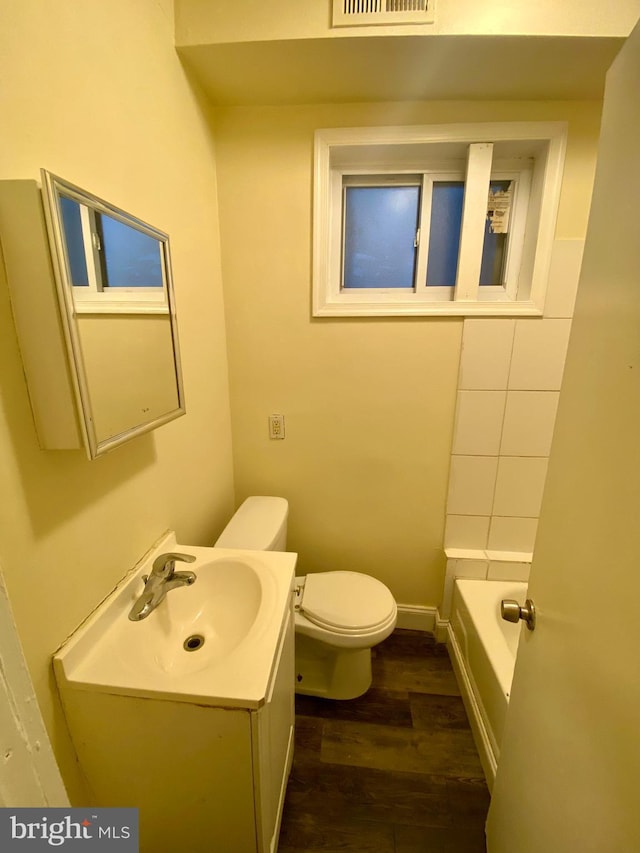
(339, 616)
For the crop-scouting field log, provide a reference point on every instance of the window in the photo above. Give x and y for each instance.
(452, 219)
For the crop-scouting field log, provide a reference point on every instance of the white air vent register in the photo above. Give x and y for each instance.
(364, 13)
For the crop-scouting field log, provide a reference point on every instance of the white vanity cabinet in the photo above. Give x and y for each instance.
(207, 774)
(272, 738)
(204, 778)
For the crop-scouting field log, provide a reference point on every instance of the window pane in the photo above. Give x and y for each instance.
(131, 258)
(444, 233)
(494, 252)
(74, 242)
(379, 236)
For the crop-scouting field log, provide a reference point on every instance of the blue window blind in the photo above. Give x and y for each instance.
(379, 236)
(444, 233)
(130, 257)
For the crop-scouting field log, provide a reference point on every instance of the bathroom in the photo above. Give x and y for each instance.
(98, 95)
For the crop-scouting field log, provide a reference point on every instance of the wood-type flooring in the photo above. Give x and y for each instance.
(395, 771)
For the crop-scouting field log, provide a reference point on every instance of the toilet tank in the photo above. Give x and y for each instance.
(260, 524)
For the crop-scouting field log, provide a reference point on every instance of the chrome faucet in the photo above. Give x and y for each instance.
(163, 578)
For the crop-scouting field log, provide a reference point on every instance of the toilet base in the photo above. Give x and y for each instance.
(331, 672)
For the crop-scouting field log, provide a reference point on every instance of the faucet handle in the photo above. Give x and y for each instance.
(164, 565)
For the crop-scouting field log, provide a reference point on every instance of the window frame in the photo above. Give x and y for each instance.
(531, 153)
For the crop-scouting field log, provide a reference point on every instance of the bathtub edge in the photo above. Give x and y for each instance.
(478, 727)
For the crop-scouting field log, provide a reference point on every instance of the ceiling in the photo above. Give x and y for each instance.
(330, 70)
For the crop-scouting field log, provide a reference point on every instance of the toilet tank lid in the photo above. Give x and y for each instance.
(256, 524)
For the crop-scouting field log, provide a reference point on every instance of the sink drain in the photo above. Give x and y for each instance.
(193, 643)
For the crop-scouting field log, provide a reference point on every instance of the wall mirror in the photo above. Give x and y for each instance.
(113, 277)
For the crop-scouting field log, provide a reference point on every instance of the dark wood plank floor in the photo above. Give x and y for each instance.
(395, 771)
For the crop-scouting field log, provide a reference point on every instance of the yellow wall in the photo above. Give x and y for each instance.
(368, 403)
(201, 21)
(94, 92)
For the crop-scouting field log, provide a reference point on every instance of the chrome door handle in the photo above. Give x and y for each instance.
(513, 612)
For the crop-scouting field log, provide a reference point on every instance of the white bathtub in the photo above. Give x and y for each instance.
(483, 649)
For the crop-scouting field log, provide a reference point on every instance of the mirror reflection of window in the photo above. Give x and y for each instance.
(115, 293)
(72, 223)
(103, 252)
(130, 258)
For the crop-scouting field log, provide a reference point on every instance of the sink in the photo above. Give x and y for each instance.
(214, 640)
(197, 626)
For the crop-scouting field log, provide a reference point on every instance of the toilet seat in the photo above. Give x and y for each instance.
(346, 602)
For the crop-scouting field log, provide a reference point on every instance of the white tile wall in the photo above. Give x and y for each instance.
(505, 571)
(510, 376)
(472, 483)
(563, 278)
(474, 568)
(528, 423)
(486, 354)
(519, 486)
(478, 428)
(447, 595)
(512, 534)
(539, 352)
(467, 531)
(463, 568)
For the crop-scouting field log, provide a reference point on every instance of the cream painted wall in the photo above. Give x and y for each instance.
(94, 92)
(200, 21)
(369, 404)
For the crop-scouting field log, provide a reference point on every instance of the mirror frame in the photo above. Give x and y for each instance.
(52, 188)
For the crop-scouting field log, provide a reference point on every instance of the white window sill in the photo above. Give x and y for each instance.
(428, 309)
(493, 556)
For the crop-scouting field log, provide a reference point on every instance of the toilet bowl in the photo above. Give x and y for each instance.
(339, 616)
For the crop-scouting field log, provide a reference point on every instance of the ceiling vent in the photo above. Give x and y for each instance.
(365, 13)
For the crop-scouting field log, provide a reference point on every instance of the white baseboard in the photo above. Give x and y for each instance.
(441, 630)
(417, 618)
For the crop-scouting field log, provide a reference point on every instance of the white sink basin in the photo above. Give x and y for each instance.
(198, 625)
(213, 640)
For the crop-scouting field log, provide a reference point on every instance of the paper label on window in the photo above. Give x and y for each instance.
(499, 210)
